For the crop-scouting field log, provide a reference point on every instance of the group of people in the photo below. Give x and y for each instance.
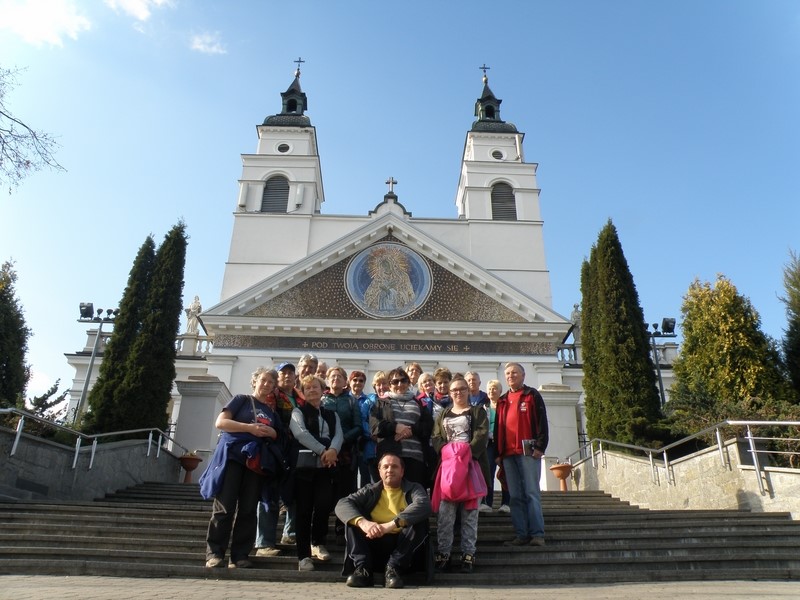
(421, 443)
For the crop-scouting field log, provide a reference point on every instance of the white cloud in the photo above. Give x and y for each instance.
(43, 21)
(208, 43)
(138, 9)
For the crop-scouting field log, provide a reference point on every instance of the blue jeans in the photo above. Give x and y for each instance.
(288, 525)
(491, 454)
(267, 534)
(522, 476)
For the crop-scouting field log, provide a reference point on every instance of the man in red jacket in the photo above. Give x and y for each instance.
(521, 434)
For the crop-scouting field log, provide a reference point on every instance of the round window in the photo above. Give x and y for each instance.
(497, 155)
(283, 148)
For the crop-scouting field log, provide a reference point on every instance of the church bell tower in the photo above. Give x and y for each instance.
(284, 175)
(495, 183)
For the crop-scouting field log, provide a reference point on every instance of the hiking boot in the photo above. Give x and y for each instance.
(467, 563)
(215, 562)
(537, 541)
(360, 578)
(288, 540)
(518, 541)
(441, 562)
(305, 565)
(393, 580)
(242, 563)
(320, 552)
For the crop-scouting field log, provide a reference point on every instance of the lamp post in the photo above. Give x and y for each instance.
(87, 313)
(667, 331)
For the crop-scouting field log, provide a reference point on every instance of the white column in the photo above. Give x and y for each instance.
(202, 398)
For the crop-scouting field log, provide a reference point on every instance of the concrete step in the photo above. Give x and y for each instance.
(73, 562)
(157, 530)
(513, 559)
(194, 547)
(482, 576)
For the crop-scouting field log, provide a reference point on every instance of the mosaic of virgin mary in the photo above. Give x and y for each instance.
(388, 280)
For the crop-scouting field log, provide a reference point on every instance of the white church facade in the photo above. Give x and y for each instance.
(374, 291)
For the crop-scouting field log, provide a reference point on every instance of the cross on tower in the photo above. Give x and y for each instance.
(484, 68)
(391, 182)
(299, 61)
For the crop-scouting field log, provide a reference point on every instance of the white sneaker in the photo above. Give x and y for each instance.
(504, 508)
(305, 565)
(268, 551)
(320, 552)
(485, 508)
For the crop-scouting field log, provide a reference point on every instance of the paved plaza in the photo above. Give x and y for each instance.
(27, 587)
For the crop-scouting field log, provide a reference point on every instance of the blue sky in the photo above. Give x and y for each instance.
(679, 121)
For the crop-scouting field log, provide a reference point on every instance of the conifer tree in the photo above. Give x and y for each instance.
(46, 406)
(14, 334)
(142, 398)
(728, 368)
(622, 402)
(791, 339)
(103, 413)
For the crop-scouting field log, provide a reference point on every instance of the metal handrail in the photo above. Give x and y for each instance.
(81, 437)
(587, 453)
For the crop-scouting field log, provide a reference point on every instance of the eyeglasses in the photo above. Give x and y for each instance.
(458, 390)
(399, 381)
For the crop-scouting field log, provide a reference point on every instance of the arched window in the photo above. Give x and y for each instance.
(291, 106)
(276, 195)
(490, 112)
(504, 205)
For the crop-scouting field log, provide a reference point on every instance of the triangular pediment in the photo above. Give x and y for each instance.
(387, 276)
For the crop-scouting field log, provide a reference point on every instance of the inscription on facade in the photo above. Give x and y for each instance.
(413, 347)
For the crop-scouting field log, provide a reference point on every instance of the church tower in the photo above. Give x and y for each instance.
(495, 183)
(284, 176)
(283, 180)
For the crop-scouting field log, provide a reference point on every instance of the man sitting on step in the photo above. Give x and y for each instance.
(386, 523)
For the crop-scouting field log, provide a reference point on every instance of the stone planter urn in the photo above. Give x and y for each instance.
(189, 463)
(562, 471)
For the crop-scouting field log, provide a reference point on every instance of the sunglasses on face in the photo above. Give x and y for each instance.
(399, 381)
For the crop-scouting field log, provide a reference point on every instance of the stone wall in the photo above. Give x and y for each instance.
(42, 470)
(697, 481)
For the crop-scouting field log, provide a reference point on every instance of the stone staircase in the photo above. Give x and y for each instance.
(158, 530)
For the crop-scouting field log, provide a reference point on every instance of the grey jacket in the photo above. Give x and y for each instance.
(361, 502)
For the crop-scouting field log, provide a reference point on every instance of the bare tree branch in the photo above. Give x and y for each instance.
(23, 149)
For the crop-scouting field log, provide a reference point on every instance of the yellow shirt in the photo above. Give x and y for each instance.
(392, 502)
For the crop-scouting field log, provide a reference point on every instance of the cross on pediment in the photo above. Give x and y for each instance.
(391, 182)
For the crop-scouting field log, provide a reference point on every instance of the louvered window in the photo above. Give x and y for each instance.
(504, 205)
(276, 195)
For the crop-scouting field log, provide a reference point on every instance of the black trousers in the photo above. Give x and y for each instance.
(313, 495)
(344, 485)
(396, 549)
(234, 509)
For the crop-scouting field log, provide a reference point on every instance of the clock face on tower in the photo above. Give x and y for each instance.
(388, 281)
